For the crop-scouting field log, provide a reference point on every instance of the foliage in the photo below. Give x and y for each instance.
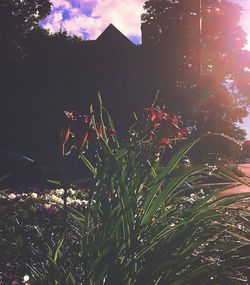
(35, 238)
(37, 87)
(140, 224)
(17, 19)
(141, 231)
(198, 60)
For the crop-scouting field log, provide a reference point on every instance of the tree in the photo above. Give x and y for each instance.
(198, 62)
(17, 19)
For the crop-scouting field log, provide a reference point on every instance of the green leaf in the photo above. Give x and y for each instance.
(102, 260)
(111, 124)
(239, 236)
(58, 247)
(190, 247)
(53, 264)
(55, 182)
(172, 185)
(154, 174)
(37, 274)
(89, 165)
(101, 118)
(176, 158)
(121, 153)
(4, 177)
(233, 177)
(106, 147)
(77, 215)
(179, 154)
(70, 280)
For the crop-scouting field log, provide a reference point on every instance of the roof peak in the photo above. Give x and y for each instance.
(112, 31)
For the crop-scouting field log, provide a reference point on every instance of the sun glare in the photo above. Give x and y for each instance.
(247, 45)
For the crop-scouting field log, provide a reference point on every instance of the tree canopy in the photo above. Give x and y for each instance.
(198, 61)
(17, 18)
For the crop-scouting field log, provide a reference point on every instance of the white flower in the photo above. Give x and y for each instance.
(71, 191)
(60, 201)
(56, 199)
(191, 200)
(69, 200)
(60, 191)
(33, 195)
(12, 196)
(201, 192)
(26, 278)
(85, 202)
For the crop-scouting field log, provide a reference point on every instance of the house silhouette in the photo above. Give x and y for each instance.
(111, 65)
(115, 69)
(111, 34)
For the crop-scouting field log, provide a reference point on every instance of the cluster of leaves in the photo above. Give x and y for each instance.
(199, 59)
(137, 228)
(17, 19)
(32, 235)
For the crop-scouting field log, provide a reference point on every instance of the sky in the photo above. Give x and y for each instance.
(89, 18)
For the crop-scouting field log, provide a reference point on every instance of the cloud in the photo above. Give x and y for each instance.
(90, 18)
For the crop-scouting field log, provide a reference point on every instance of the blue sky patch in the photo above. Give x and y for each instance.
(65, 14)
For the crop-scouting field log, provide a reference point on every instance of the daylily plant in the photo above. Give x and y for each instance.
(169, 125)
(84, 131)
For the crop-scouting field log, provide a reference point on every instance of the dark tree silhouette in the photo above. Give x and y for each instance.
(197, 61)
(17, 19)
